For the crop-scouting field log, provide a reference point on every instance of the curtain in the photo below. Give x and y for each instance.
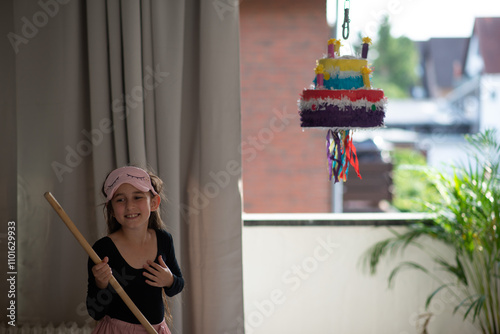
(101, 84)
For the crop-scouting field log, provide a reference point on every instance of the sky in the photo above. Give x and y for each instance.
(417, 19)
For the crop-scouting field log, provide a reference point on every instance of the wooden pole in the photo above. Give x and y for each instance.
(93, 255)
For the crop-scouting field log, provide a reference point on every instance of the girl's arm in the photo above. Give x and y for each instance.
(171, 262)
(98, 291)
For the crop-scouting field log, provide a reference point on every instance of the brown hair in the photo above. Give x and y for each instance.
(155, 223)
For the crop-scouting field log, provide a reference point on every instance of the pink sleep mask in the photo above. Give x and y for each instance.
(134, 176)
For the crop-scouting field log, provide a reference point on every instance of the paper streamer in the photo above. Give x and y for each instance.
(341, 153)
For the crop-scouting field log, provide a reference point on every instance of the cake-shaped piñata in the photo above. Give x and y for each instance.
(342, 100)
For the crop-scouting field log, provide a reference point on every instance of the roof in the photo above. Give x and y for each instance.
(442, 56)
(487, 31)
(446, 53)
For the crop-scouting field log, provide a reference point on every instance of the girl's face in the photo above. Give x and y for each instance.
(132, 207)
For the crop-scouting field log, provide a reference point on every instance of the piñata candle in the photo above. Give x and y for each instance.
(331, 48)
(365, 73)
(337, 46)
(319, 75)
(366, 42)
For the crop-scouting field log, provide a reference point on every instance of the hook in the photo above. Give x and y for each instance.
(345, 25)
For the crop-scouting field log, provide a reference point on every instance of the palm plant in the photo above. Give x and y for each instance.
(466, 219)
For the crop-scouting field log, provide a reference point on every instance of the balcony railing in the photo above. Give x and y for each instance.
(303, 274)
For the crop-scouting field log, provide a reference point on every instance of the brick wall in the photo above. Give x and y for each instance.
(284, 168)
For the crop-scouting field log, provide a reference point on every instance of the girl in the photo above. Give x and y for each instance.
(137, 251)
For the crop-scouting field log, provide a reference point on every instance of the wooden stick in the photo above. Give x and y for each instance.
(93, 255)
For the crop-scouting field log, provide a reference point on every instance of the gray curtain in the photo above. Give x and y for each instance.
(101, 84)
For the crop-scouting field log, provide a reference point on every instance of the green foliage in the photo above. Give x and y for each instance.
(411, 184)
(396, 64)
(391, 89)
(466, 218)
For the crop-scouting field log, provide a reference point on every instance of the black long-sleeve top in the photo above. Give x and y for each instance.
(146, 297)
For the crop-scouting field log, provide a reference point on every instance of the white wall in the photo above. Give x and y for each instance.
(308, 279)
(445, 150)
(490, 101)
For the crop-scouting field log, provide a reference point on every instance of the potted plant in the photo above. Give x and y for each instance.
(466, 219)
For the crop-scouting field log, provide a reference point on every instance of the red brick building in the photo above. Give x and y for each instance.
(284, 168)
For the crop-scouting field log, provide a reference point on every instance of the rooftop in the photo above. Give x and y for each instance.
(487, 31)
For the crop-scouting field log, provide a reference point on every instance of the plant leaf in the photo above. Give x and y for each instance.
(461, 304)
(404, 265)
(458, 271)
(476, 305)
(429, 299)
(479, 306)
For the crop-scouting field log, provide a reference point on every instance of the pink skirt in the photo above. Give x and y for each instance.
(114, 326)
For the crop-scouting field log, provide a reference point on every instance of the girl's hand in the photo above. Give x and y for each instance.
(102, 273)
(158, 274)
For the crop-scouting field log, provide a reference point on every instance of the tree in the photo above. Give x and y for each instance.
(395, 68)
